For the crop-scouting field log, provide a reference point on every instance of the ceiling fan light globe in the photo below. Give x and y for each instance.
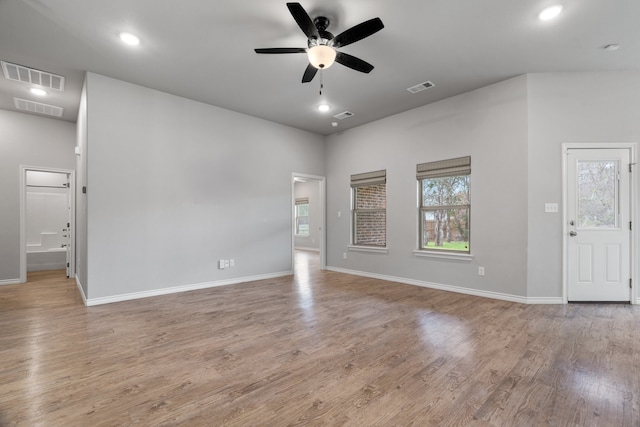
(321, 56)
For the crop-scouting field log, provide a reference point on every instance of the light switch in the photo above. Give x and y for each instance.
(551, 207)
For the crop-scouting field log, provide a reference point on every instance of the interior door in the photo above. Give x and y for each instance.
(599, 228)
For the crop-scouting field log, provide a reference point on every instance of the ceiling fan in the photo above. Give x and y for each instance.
(322, 45)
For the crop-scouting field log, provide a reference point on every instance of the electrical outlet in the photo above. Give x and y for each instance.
(221, 264)
(232, 263)
(344, 255)
(480, 271)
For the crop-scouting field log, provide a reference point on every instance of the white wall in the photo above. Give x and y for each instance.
(175, 185)
(490, 125)
(569, 108)
(311, 190)
(29, 140)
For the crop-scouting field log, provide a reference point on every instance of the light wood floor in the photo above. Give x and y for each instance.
(322, 348)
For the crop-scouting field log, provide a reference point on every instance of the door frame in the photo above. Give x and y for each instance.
(321, 180)
(633, 214)
(23, 217)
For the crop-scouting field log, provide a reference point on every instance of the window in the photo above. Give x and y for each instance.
(369, 209)
(445, 205)
(302, 217)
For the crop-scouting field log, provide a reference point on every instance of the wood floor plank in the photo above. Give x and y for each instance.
(316, 349)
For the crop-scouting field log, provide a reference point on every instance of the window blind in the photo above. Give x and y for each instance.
(369, 178)
(302, 201)
(441, 168)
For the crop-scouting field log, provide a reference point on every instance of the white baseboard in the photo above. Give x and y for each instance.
(46, 266)
(84, 297)
(450, 288)
(177, 289)
(10, 282)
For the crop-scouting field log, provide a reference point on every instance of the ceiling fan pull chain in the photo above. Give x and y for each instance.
(321, 82)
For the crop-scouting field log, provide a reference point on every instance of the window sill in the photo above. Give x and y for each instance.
(443, 255)
(374, 249)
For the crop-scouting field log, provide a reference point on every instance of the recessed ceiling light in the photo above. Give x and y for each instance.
(612, 47)
(37, 91)
(323, 107)
(130, 39)
(550, 12)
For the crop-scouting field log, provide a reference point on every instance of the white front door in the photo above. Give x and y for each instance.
(599, 228)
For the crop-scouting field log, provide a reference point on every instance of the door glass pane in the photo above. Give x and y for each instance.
(597, 194)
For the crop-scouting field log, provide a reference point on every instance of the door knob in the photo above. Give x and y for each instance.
(573, 234)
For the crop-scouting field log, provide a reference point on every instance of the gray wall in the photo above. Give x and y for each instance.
(81, 197)
(28, 140)
(311, 190)
(175, 185)
(569, 108)
(490, 125)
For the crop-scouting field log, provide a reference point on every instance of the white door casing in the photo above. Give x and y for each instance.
(598, 229)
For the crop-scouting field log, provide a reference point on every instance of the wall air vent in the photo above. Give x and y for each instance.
(422, 86)
(343, 115)
(38, 107)
(32, 76)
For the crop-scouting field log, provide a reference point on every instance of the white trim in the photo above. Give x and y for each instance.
(633, 215)
(545, 300)
(10, 282)
(450, 288)
(322, 236)
(371, 249)
(444, 255)
(177, 289)
(81, 289)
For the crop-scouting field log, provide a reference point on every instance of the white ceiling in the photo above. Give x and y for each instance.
(203, 50)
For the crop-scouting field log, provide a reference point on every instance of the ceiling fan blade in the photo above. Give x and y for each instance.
(309, 73)
(353, 62)
(304, 21)
(360, 31)
(282, 50)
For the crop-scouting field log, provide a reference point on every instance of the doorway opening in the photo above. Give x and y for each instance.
(46, 220)
(308, 221)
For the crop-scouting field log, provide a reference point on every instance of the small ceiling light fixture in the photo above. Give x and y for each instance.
(550, 12)
(334, 124)
(321, 56)
(37, 91)
(323, 107)
(130, 39)
(612, 47)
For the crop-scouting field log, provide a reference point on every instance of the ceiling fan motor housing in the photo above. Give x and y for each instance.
(321, 23)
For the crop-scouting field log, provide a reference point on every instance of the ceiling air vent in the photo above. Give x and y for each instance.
(32, 76)
(38, 107)
(343, 115)
(422, 86)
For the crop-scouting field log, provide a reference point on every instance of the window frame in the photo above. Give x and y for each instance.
(457, 167)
